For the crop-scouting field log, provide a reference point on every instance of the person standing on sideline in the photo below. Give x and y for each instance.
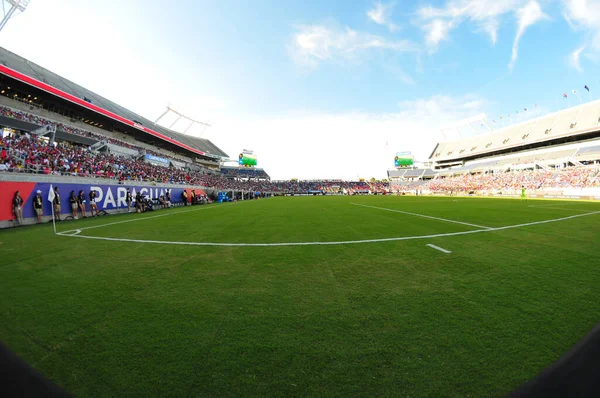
(74, 205)
(17, 204)
(93, 206)
(523, 194)
(81, 202)
(184, 197)
(56, 204)
(38, 205)
(168, 198)
(138, 202)
(128, 200)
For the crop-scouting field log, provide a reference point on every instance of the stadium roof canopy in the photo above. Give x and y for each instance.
(576, 122)
(34, 75)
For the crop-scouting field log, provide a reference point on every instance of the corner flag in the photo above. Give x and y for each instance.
(51, 197)
(51, 194)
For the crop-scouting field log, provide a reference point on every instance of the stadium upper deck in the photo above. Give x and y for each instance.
(574, 124)
(46, 89)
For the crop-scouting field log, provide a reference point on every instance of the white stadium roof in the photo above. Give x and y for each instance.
(578, 120)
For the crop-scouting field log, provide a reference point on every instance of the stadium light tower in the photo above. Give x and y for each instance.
(13, 7)
(182, 116)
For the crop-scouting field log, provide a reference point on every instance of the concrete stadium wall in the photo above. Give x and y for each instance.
(111, 194)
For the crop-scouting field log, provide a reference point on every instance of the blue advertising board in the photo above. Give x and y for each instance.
(108, 197)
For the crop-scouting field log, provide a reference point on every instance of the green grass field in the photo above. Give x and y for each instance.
(388, 318)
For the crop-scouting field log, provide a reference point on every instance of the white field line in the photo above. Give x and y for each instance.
(422, 215)
(71, 232)
(426, 200)
(551, 205)
(561, 208)
(438, 248)
(347, 242)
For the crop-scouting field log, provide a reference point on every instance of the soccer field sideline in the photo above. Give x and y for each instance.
(76, 233)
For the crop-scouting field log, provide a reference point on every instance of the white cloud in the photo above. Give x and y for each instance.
(585, 15)
(527, 16)
(444, 108)
(329, 143)
(381, 15)
(437, 31)
(438, 22)
(485, 14)
(574, 59)
(313, 44)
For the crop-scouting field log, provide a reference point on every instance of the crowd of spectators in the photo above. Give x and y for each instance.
(25, 153)
(40, 121)
(244, 172)
(572, 177)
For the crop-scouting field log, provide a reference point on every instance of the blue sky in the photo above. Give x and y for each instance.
(322, 80)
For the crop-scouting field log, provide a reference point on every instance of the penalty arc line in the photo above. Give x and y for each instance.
(347, 242)
(422, 215)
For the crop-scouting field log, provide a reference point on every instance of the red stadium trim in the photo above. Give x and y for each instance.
(52, 90)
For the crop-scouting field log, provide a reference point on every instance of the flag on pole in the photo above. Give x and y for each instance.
(51, 197)
(51, 194)
(565, 95)
(587, 88)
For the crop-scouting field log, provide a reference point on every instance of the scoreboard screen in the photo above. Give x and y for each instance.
(403, 159)
(247, 159)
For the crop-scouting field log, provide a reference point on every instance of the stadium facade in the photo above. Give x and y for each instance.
(563, 139)
(43, 90)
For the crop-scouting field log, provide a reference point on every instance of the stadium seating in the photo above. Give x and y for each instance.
(568, 122)
(576, 177)
(28, 68)
(244, 172)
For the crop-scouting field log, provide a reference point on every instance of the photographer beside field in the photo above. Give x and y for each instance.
(139, 203)
(128, 200)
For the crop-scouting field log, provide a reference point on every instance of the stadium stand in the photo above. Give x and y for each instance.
(245, 172)
(556, 151)
(41, 88)
(573, 124)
